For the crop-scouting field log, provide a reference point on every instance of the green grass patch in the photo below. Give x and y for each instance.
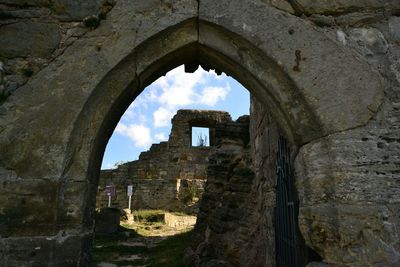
(170, 251)
(178, 213)
(106, 247)
(149, 215)
(167, 253)
(147, 229)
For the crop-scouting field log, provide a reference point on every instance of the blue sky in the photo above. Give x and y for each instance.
(148, 118)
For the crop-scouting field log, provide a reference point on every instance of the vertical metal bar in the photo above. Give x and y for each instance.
(287, 247)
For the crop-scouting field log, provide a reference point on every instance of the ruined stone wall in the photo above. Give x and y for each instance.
(264, 134)
(171, 175)
(166, 194)
(236, 219)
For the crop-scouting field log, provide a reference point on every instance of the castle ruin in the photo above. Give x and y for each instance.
(172, 174)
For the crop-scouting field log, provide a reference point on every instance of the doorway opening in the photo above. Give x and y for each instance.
(150, 212)
(272, 95)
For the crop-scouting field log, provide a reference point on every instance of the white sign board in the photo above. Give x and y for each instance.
(130, 190)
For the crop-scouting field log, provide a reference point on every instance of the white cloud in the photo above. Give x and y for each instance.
(108, 166)
(216, 76)
(138, 133)
(177, 95)
(161, 137)
(177, 87)
(211, 95)
(161, 82)
(162, 117)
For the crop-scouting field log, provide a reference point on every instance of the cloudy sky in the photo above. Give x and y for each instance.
(148, 118)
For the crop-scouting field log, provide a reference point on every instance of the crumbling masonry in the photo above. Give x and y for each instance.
(172, 174)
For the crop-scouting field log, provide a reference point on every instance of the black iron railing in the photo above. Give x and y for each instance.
(288, 245)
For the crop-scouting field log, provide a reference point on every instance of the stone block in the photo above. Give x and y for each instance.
(72, 205)
(75, 10)
(107, 221)
(368, 41)
(25, 13)
(26, 251)
(283, 5)
(394, 28)
(350, 157)
(27, 203)
(345, 6)
(71, 249)
(26, 2)
(59, 250)
(23, 39)
(348, 234)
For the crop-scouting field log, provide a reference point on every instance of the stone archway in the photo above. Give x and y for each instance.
(55, 129)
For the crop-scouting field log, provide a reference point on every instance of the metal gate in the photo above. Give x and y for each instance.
(288, 247)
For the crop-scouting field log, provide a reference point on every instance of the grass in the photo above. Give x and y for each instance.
(170, 251)
(148, 225)
(106, 247)
(149, 215)
(167, 253)
(152, 223)
(147, 229)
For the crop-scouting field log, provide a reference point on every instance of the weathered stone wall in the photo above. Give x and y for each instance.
(166, 194)
(236, 219)
(35, 32)
(228, 230)
(327, 71)
(171, 175)
(350, 207)
(264, 134)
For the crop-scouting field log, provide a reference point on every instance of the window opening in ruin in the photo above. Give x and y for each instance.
(156, 168)
(200, 136)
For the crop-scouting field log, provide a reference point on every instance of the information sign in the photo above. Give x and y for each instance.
(130, 190)
(110, 190)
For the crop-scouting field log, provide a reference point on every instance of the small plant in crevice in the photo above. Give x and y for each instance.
(4, 93)
(190, 193)
(202, 140)
(91, 22)
(3, 96)
(151, 174)
(149, 215)
(118, 163)
(27, 72)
